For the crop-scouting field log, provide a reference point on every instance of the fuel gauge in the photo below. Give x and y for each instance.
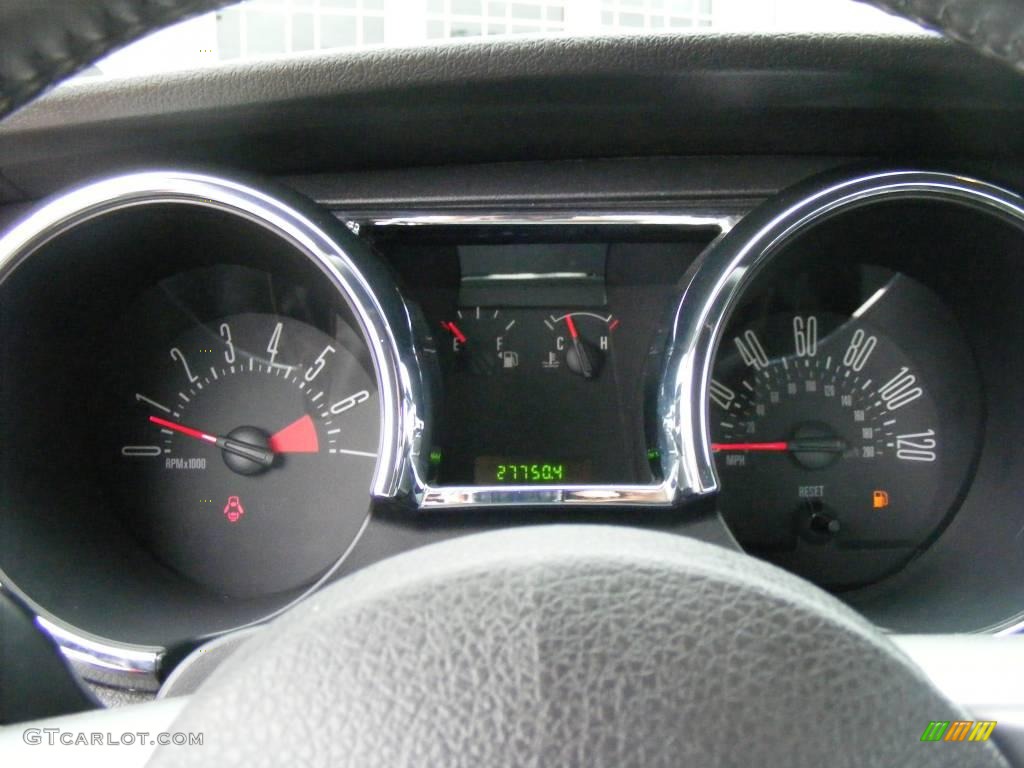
(479, 341)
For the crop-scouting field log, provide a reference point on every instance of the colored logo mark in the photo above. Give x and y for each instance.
(958, 730)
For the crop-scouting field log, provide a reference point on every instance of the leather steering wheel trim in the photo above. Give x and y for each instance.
(43, 42)
(994, 27)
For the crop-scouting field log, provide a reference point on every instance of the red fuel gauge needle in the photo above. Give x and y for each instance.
(453, 329)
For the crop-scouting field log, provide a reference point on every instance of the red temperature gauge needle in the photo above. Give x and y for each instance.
(778, 447)
(581, 364)
(572, 327)
(453, 329)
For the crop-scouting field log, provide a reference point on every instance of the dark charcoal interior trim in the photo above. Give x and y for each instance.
(520, 100)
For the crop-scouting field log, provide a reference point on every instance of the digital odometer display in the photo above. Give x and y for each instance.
(499, 470)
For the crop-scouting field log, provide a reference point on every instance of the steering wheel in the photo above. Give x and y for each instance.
(558, 645)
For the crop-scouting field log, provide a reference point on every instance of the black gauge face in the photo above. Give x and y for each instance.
(840, 440)
(580, 342)
(479, 341)
(247, 446)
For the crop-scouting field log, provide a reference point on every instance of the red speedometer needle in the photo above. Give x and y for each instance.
(454, 330)
(796, 445)
(778, 447)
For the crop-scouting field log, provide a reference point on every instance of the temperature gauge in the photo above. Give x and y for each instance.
(580, 342)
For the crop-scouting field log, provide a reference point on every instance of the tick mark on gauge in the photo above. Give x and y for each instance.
(354, 453)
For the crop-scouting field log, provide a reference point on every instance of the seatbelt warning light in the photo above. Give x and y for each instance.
(233, 510)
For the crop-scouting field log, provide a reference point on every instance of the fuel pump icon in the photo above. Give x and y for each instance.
(233, 510)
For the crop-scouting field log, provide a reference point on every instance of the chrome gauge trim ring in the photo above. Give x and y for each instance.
(386, 325)
(672, 488)
(717, 283)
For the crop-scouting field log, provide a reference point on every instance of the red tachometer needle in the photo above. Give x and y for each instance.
(454, 330)
(256, 453)
(184, 430)
(298, 437)
(778, 447)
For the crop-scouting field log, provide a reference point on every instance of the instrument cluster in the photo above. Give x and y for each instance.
(217, 397)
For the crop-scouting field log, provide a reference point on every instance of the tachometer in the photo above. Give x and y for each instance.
(246, 445)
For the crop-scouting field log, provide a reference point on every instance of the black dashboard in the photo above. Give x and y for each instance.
(239, 388)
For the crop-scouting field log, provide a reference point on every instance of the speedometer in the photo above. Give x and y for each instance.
(846, 406)
(839, 438)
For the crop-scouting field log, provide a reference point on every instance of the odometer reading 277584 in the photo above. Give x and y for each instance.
(824, 432)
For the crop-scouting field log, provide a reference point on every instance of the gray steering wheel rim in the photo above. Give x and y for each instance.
(569, 645)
